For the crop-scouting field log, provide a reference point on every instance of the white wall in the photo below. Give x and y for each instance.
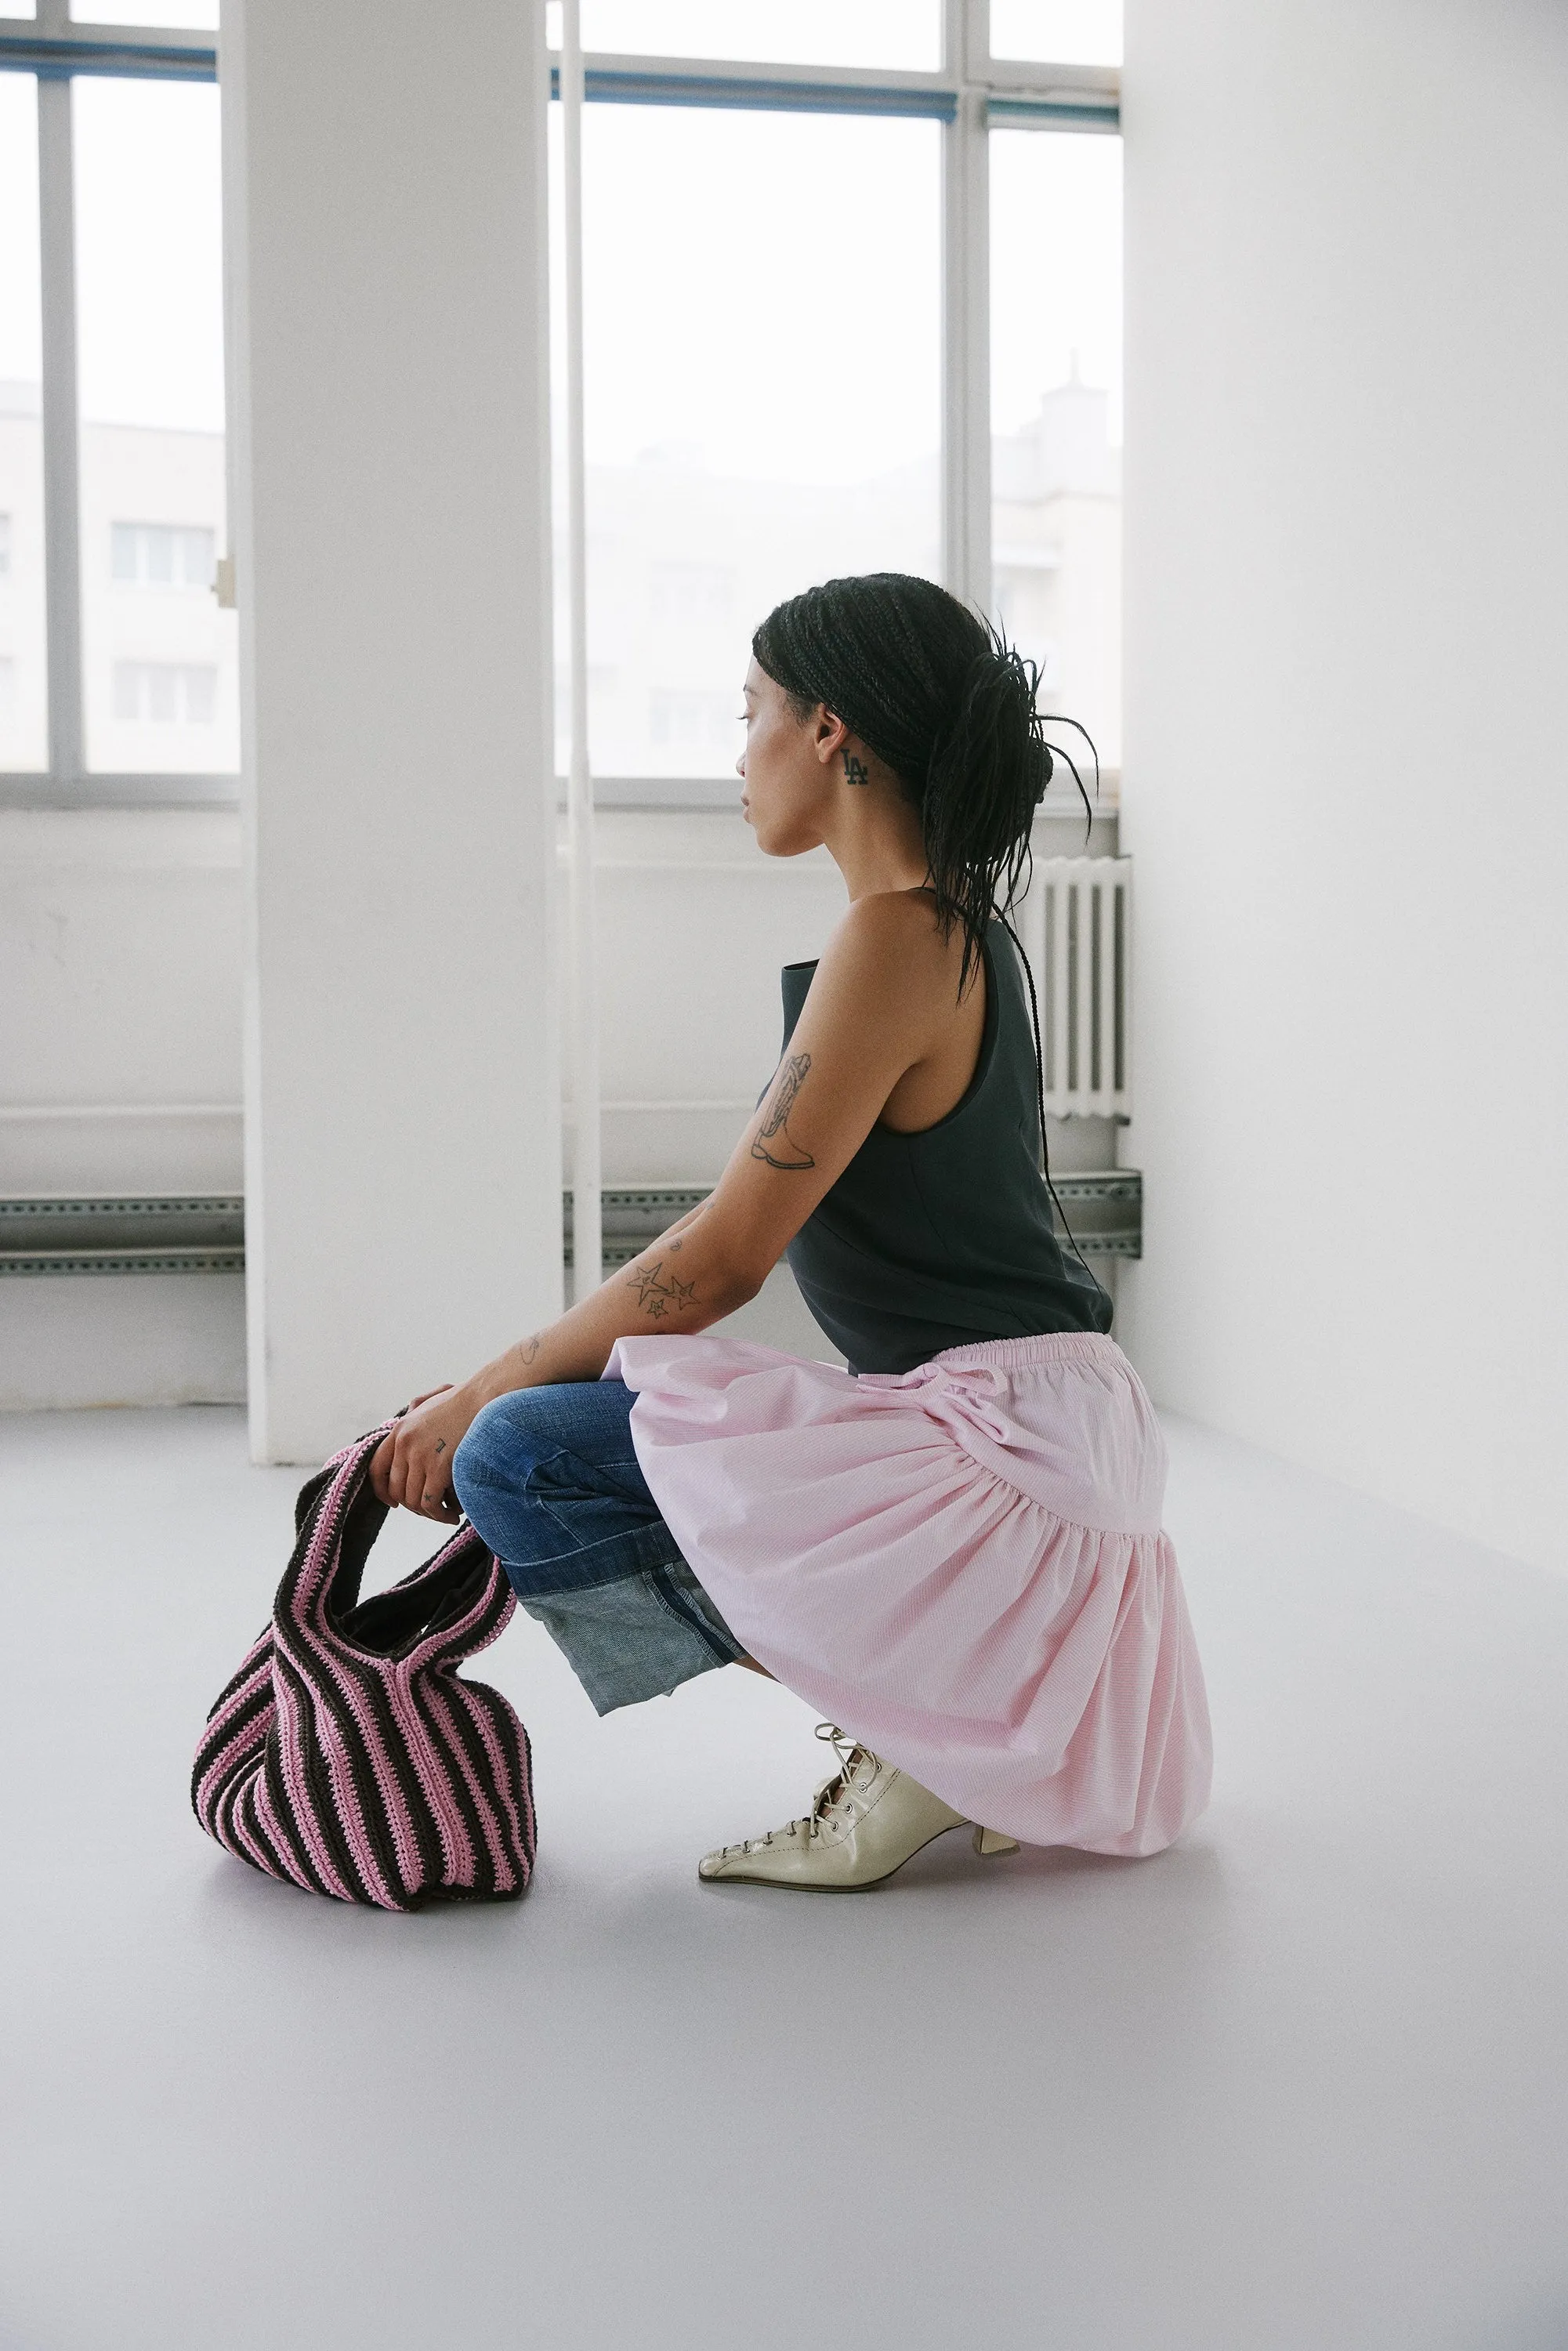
(120, 970)
(119, 1072)
(1347, 610)
(119, 976)
(384, 191)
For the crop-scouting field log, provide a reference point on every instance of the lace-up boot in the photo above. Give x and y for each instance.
(864, 1823)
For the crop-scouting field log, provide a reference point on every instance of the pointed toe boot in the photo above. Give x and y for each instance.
(864, 1823)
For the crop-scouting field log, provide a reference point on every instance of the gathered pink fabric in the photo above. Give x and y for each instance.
(963, 1565)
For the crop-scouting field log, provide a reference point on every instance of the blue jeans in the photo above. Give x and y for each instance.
(550, 1478)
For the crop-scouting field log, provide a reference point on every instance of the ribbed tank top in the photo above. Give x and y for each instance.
(945, 1238)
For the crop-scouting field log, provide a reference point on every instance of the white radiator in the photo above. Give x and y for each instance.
(1076, 928)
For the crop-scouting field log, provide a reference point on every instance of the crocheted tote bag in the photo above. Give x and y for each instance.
(348, 1755)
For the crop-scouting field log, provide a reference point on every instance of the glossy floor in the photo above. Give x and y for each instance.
(1301, 2084)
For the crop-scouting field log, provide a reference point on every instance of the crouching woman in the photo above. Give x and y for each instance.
(954, 1548)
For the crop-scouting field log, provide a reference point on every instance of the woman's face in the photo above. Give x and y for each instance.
(787, 767)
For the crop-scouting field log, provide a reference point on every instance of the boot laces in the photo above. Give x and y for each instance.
(834, 1794)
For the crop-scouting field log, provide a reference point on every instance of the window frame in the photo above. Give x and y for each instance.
(971, 92)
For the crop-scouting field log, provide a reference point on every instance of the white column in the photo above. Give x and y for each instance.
(385, 194)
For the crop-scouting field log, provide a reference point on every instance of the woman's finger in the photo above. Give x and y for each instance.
(397, 1475)
(381, 1464)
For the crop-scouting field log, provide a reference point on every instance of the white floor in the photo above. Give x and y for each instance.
(1301, 2084)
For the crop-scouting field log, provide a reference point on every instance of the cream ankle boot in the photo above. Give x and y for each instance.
(865, 1823)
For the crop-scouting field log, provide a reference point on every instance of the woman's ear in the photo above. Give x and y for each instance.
(829, 736)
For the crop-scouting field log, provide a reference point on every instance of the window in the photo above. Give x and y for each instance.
(1056, 418)
(162, 555)
(729, 466)
(824, 154)
(106, 602)
(165, 694)
(150, 375)
(24, 707)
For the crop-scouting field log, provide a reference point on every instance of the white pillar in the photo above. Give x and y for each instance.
(387, 401)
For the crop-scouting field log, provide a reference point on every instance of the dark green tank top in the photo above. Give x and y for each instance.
(945, 1238)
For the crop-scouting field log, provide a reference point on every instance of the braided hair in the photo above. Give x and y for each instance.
(948, 704)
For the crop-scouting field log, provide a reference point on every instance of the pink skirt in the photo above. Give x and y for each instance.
(962, 1565)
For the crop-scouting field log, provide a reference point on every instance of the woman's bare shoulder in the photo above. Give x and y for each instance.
(898, 918)
(895, 935)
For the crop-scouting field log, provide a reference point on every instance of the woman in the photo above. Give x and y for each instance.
(954, 1546)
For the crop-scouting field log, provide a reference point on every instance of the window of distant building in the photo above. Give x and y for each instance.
(166, 693)
(704, 723)
(162, 554)
(691, 591)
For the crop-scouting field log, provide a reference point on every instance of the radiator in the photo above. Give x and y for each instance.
(1076, 926)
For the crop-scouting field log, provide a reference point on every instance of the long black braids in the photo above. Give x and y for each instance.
(947, 704)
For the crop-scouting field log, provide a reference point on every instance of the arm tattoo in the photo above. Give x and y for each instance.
(530, 1350)
(658, 1297)
(775, 1128)
(855, 770)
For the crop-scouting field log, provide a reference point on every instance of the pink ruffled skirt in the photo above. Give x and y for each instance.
(963, 1565)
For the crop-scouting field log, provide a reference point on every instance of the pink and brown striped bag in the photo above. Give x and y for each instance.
(348, 1755)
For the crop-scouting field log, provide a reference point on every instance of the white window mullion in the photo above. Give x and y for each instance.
(966, 314)
(62, 534)
(587, 1210)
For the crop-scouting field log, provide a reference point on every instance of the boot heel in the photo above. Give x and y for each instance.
(991, 1844)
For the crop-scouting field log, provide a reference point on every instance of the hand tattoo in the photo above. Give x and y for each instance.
(775, 1126)
(855, 770)
(656, 1296)
(440, 1445)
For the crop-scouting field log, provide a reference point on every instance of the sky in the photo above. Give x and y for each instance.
(18, 228)
(148, 248)
(761, 288)
(764, 289)
(890, 33)
(149, 253)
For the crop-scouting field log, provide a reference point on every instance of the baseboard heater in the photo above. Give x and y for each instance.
(201, 1233)
(195, 1233)
(1104, 1207)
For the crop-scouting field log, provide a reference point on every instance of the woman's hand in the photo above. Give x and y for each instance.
(411, 1466)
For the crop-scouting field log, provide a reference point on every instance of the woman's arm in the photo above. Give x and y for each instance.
(672, 1284)
(884, 991)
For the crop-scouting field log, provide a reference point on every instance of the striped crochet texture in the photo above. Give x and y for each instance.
(348, 1755)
